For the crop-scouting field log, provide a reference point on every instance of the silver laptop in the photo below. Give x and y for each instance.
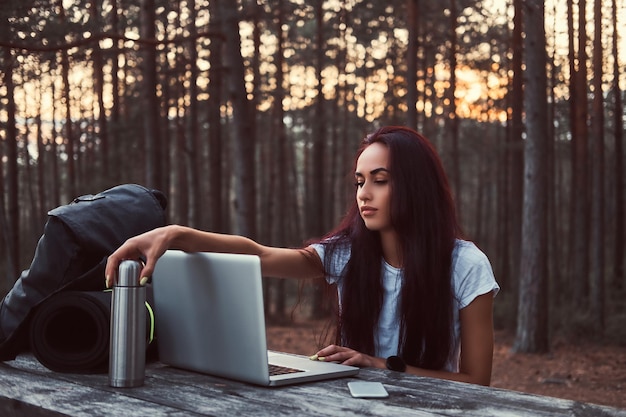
(209, 318)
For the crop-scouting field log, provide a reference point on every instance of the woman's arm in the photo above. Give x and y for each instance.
(275, 262)
(476, 347)
(476, 344)
(477, 339)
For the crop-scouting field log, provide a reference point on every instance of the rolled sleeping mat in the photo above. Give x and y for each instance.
(70, 331)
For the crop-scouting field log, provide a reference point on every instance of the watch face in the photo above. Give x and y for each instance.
(395, 363)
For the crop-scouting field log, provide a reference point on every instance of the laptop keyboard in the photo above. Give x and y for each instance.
(282, 370)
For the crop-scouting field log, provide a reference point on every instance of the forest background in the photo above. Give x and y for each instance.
(247, 115)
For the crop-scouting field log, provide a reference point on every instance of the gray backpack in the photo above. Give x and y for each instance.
(71, 256)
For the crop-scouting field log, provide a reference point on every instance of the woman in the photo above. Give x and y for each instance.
(413, 296)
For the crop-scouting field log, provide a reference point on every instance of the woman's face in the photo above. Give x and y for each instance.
(373, 187)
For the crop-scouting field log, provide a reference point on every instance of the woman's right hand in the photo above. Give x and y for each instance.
(275, 262)
(149, 246)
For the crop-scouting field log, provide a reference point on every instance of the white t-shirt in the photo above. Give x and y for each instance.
(472, 276)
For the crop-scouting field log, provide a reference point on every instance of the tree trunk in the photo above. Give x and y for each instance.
(411, 64)
(29, 207)
(69, 132)
(42, 204)
(317, 204)
(216, 193)
(597, 173)
(315, 200)
(102, 130)
(515, 152)
(183, 161)
(243, 141)
(422, 63)
(55, 189)
(114, 175)
(502, 253)
(618, 111)
(150, 111)
(281, 161)
(579, 222)
(257, 15)
(11, 219)
(453, 122)
(341, 114)
(556, 217)
(532, 329)
(194, 146)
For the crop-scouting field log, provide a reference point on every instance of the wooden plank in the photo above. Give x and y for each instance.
(10, 407)
(205, 395)
(173, 392)
(311, 399)
(67, 398)
(450, 398)
(420, 396)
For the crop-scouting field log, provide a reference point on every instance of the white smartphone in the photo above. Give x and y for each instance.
(366, 389)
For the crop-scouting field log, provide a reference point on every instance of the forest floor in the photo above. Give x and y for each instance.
(583, 371)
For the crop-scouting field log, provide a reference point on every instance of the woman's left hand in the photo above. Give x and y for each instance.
(347, 356)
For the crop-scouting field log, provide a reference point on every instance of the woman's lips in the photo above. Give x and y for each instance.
(368, 211)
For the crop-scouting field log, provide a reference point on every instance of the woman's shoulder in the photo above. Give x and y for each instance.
(466, 251)
(467, 257)
(334, 255)
(471, 272)
(335, 245)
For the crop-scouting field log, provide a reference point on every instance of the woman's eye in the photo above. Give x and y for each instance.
(381, 182)
(359, 184)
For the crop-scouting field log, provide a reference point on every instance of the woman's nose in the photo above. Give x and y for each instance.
(363, 193)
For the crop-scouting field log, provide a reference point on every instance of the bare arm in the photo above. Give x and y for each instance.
(476, 344)
(476, 347)
(275, 262)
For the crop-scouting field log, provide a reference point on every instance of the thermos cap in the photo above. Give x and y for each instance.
(128, 273)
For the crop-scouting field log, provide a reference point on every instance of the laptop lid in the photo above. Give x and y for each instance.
(210, 318)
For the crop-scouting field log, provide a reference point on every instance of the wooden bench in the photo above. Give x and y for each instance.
(29, 389)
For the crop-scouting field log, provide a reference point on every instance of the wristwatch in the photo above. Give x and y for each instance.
(396, 363)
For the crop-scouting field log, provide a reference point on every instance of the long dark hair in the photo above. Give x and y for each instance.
(423, 216)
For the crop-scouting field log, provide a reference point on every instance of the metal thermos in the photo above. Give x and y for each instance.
(127, 354)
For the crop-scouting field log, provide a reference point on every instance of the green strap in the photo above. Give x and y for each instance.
(150, 313)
